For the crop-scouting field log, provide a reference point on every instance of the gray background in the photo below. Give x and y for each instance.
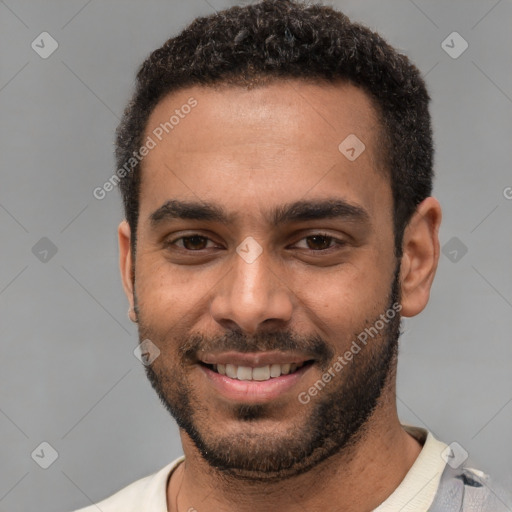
(69, 376)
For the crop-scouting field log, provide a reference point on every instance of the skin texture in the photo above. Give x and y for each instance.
(252, 151)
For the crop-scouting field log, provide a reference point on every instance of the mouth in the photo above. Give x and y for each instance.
(260, 373)
(254, 378)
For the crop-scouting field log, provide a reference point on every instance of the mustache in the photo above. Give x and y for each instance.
(285, 341)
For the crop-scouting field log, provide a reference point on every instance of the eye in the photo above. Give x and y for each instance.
(320, 242)
(191, 243)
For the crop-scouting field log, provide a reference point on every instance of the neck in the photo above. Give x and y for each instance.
(358, 478)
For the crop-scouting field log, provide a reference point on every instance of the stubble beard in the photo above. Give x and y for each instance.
(335, 421)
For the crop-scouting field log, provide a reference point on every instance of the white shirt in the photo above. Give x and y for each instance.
(414, 494)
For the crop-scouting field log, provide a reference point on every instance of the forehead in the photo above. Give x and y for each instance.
(284, 140)
(284, 111)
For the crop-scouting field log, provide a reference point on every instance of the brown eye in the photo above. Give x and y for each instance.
(319, 242)
(194, 243)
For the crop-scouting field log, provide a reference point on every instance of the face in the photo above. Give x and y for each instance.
(263, 254)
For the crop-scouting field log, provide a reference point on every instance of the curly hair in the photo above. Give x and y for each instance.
(286, 39)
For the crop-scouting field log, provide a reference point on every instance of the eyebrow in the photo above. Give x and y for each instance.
(317, 210)
(291, 212)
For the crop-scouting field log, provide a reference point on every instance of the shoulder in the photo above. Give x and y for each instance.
(148, 493)
(469, 489)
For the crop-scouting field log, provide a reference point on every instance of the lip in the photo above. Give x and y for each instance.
(255, 392)
(253, 359)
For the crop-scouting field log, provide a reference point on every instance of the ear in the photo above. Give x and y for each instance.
(420, 256)
(125, 264)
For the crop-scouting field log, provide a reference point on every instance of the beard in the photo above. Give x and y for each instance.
(258, 448)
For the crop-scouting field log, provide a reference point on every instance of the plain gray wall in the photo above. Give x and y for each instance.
(69, 376)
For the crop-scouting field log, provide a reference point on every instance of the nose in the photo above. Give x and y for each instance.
(252, 294)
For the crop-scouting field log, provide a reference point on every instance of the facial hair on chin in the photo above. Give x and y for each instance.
(333, 421)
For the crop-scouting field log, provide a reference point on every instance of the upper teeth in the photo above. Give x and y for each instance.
(261, 373)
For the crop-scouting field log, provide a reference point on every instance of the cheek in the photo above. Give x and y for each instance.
(162, 295)
(173, 300)
(345, 299)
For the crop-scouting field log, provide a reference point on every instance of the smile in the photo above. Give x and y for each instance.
(261, 373)
(254, 378)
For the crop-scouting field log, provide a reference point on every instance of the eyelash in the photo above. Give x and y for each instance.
(332, 239)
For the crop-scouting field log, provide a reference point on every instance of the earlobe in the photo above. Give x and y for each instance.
(125, 265)
(420, 256)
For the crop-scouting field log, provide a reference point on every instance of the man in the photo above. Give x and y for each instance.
(276, 171)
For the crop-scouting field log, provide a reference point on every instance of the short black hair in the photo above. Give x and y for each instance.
(287, 39)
